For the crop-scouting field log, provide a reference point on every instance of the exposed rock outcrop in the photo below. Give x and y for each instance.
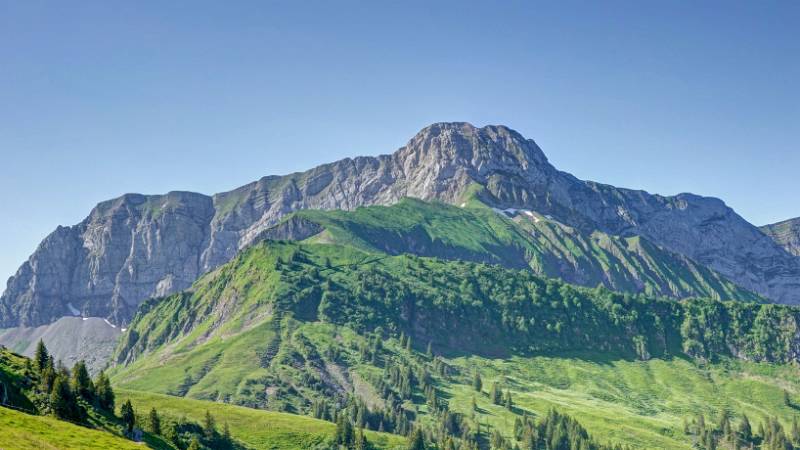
(786, 234)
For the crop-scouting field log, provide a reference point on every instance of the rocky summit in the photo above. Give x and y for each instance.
(140, 246)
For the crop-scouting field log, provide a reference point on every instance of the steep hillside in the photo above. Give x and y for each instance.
(22, 431)
(304, 327)
(786, 234)
(515, 239)
(134, 247)
(39, 411)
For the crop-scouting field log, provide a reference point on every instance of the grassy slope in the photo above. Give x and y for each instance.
(641, 403)
(253, 428)
(522, 239)
(22, 428)
(638, 403)
(235, 337)
(24, 431)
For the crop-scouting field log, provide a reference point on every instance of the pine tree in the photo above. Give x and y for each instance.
(226, 433)
(47, 377)
(745, 431)
(209, 426)
(509, 402)
(786, 399)
(496, 394)
(103, 392)
(155, 422)
(477, 383)
(81, 382)
(61, 400)
(360, 440)
(41, 356)
(128, 416)
(416, 441)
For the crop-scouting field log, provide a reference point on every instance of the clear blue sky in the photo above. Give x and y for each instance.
(102, 98)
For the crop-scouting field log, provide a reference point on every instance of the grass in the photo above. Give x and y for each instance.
(253, 428)
(261, 331)
(524, 240)
(639, 403)
(22, 431)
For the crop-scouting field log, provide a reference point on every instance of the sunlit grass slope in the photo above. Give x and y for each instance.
(253, 428)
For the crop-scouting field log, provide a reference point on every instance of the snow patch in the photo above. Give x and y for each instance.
(463, 205)
(124, 329)
(109, 323)
(72, 309)
(84, 318)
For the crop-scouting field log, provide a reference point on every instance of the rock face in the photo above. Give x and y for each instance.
(786, 234)
(137, 246)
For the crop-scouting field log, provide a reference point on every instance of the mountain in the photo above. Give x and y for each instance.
(136, 246)
(307, 328)
(786, 234)
(512, 238)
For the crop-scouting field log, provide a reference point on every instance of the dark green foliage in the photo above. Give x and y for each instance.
(771, 434)
(209, 426)
(477, 383)
(154, 422)
(465, 308)
(128, 416)
(416, 441)
(104, 393)
(63, 401)
(41, 357)
(484, 309)
(81, 382)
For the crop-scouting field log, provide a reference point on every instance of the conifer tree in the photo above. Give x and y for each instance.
(41, 357)
(128, 416)
(209, 426)
(477, 383)
(155, 421)
(745, 431)
(81, 382)
(103, 392)
(47, 377)
(226, 433)
(496, 394)
(61, 401)
(416, 441)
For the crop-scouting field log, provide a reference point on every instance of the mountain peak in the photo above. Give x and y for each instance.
(476, 149)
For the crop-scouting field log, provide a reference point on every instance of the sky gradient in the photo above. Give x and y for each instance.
(102, 98)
